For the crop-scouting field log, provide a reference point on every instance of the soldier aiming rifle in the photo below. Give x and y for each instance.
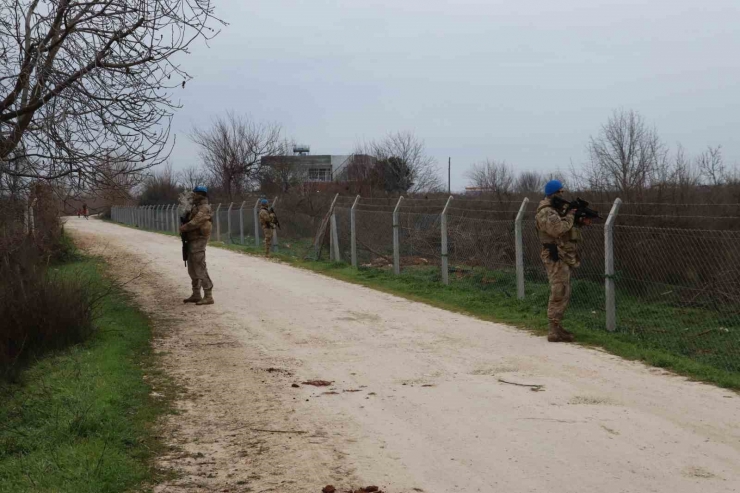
(559, 223)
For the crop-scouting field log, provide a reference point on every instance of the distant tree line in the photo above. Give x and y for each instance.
(626, 158)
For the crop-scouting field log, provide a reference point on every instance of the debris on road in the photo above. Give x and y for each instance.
(532, 387)
(296, 386)
(367, 489)
(318, 383)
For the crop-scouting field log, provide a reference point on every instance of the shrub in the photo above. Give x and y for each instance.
(42, 309)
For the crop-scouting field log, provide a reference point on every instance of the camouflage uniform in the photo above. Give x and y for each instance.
(197, 232)
(267, 222)
(559, 237)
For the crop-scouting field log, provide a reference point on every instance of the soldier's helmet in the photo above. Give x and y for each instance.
(200, 189)
(553, 186)
(263, 201)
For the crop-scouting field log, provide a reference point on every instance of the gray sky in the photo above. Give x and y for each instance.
(524, 81)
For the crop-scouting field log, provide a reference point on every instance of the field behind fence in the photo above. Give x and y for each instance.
(656, 282)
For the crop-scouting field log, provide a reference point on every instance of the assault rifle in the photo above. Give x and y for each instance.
(582, 210)
(277, 221)
(183, 220)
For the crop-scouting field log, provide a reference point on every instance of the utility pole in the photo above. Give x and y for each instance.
(449, 176)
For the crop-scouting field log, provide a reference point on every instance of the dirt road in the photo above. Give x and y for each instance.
(416, 402)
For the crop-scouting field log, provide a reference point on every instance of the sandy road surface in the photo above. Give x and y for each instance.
(418, 403)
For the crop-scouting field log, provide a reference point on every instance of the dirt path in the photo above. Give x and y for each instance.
(416, 403)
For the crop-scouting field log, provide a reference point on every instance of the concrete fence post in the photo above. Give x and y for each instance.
(256, 214)
(609, 286)
(445, 257)
(396, 239)
(274, 246)
(241, 223)
(519, 249)
(353, 232)
(335, 238)
(176, 218)
(218, 223)
(228, 220)
(320, 235)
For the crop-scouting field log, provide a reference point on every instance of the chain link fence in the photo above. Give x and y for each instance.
(675, 289)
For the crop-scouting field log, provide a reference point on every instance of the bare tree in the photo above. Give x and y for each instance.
(530, 182)
(80, 79)
(624, 156)
(231, 150)
(191, 177)
(160, 187)
(282, 174)
(405, 164)
(711, 166)
(492, 176)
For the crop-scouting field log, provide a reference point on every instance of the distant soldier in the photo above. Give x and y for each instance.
(84, 210)
(198, 230)
(559, 236)
(267, 221)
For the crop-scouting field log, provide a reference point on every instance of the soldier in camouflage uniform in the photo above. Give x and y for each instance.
(267, 221)
(560, 237)
(198, 230)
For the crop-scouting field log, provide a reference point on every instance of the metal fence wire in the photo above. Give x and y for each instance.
(671, 289)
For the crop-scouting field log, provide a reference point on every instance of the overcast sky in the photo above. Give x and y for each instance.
(523, 81)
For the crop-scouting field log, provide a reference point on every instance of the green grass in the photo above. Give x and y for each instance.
(701, 344)
(79, 420)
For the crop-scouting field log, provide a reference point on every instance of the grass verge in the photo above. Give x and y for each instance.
(648, 332)
(79, 419)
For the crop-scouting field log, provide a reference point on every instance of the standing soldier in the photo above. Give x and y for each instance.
(198, 230)
(84, 210)
(559, 236)
(267, 221)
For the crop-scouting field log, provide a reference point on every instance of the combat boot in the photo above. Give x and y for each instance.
(207, 299)
(566, 332)
(558, 334)
(194, 298)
